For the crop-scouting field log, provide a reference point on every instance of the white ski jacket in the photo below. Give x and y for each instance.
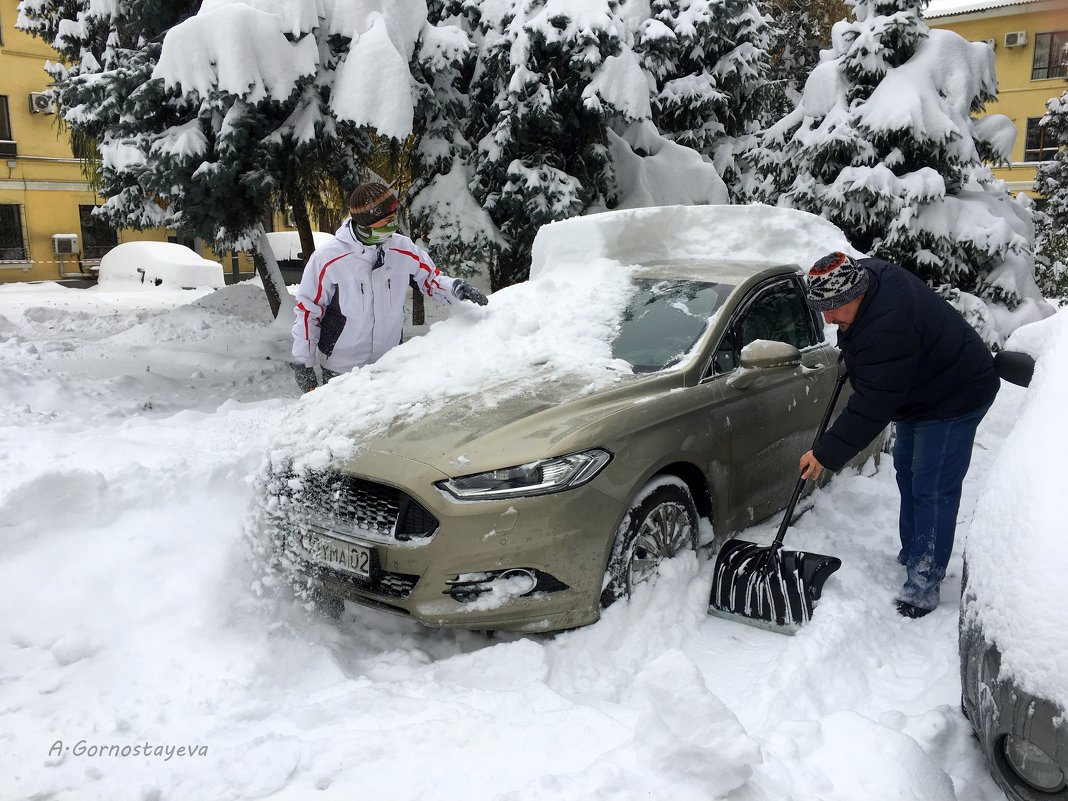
(350, 303)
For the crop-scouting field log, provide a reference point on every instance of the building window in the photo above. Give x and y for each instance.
(5, 119)
(1051, 56)
(97, 236)
(1038, 145)
(12, 241)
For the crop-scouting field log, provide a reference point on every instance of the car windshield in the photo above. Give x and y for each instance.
(664, 320)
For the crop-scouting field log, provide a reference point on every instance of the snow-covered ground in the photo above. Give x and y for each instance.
(131, 424)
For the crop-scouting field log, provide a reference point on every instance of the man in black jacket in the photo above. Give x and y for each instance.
(912, 359)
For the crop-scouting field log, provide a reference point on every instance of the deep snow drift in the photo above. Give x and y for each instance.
(131, 424)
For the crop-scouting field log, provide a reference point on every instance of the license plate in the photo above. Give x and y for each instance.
(337, 554)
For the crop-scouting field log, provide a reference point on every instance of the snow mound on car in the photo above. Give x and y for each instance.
(753, 233)
(1017, 559)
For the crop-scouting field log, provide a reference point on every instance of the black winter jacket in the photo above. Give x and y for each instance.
(910, 356)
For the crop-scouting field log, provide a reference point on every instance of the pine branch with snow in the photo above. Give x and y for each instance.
(708, 64)
(551, 78)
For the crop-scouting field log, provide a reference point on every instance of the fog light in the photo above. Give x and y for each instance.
(1033, 765)
(513, 582)
(521, 581)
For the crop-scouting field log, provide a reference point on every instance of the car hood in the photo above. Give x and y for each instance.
(512, 423)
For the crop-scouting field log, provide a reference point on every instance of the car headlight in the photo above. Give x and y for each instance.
(1032, 764)
(537, 478)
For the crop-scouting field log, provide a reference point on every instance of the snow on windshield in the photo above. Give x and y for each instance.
(664, 320)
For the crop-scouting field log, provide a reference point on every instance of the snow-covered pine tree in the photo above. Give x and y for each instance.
(800, 29)
(441, 208)
(551, 77)
(1052, 183)
(883, 144)
(708, 60)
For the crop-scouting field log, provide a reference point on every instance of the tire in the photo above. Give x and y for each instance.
(660, 526)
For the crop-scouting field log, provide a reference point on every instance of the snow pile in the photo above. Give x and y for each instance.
(1017, 558)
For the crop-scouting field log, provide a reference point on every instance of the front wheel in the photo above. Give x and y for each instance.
(662, 523)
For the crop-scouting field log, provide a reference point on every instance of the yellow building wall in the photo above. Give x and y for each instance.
(44, 178)
(1018, 96)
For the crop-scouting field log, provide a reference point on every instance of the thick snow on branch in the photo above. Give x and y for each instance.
(930, 95)
(374, 85)
(297, 17)
(237, 49)
(620, 82)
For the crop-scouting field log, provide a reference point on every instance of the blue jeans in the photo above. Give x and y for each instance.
(931, 458)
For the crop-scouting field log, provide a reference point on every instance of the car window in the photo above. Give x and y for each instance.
(664, 320)
(777, 313)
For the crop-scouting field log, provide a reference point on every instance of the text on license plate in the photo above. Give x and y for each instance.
(337, 554)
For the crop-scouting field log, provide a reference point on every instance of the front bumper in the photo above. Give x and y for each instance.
(522, 564)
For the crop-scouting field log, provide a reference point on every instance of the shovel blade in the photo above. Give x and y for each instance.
(765, 586)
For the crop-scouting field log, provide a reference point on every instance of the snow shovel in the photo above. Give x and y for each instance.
(765, 586)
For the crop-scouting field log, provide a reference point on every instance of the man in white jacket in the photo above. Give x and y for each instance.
(350, 303)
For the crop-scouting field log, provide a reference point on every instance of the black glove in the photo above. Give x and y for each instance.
(464, 291)
(304, 376)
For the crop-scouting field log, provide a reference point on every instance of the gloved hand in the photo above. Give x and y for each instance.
(464, 291)
(304, 376)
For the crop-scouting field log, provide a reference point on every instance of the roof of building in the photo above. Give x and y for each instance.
(949, 8)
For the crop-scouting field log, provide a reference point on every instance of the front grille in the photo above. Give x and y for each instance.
(355, 503)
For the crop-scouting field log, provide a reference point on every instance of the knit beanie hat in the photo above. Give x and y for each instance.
(835, 280)
(370, 203)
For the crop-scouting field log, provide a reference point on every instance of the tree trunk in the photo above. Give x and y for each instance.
(418, 306)
(304, 229)
(267, 269)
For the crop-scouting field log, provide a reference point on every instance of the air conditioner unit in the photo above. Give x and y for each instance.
(992, 42)
(41, 103)
(65, 244)
(1016, 39)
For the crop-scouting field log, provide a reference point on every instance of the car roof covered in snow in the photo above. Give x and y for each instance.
(753, 234)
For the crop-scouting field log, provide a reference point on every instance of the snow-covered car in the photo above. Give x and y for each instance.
(534, 510)
(1013, 638)
(164, 264)
(286, 247)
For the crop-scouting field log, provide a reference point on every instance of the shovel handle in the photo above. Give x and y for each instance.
(842, 375)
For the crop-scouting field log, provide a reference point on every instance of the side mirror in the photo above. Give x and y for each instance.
(761, 357)
(1014, 367)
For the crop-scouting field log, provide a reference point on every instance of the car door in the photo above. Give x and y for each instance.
(770, 423)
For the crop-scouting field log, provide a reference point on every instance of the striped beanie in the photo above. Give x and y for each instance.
(370, 203)
(835, 280)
